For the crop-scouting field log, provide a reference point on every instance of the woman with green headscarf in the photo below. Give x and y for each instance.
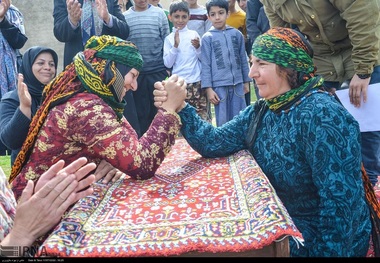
(306, 143)
(82, 115)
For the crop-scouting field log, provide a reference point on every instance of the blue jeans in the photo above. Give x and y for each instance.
(370, 140)
(371, 154)
(232, 101)
(371, 143)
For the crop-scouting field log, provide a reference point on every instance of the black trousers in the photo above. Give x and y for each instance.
(130, 112)
(4, 150)
(144, 98)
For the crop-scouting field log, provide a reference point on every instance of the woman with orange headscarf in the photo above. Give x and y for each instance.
(82, 115)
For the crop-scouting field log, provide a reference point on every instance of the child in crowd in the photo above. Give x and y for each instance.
(199, 22)
(125, 4)
(182, 53)
(148, 27)
(157, 4)
(198, 17)
(237, 19)
(224, 64)
(243, 4)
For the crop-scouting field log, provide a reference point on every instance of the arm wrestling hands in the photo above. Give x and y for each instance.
(170, 94)
(172, 100)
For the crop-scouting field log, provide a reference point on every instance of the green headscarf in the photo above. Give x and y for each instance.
(98, 72)
(285, 47)
(116, 49)
(288, 48)
(87, 73)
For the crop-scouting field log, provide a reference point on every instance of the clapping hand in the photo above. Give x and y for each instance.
(101, 6)
(196, 43)
(4, 6)
(24, 97)
(74, 11)
(40, 209)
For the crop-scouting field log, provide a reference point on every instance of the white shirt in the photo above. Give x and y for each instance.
(185, 59)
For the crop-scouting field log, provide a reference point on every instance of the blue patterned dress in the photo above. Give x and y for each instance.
(311, 155)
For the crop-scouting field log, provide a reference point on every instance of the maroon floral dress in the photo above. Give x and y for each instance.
(86, 126)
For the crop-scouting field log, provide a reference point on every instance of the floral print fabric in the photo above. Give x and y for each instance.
(86, 126)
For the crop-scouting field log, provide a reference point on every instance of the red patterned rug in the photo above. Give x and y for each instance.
(193, 204)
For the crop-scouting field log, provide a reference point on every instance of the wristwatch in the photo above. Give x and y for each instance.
(364, 76)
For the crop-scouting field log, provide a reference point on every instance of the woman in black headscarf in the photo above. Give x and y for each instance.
(17, 107)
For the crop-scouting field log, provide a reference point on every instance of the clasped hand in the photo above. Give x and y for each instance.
(170, 94)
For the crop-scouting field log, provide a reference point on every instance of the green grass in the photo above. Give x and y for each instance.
(5, 161)
(253, 95)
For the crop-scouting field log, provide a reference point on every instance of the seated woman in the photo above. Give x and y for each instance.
(306, 143)
(17, 107)
(82, 115)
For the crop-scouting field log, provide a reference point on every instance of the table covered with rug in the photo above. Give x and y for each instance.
(193, 206)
